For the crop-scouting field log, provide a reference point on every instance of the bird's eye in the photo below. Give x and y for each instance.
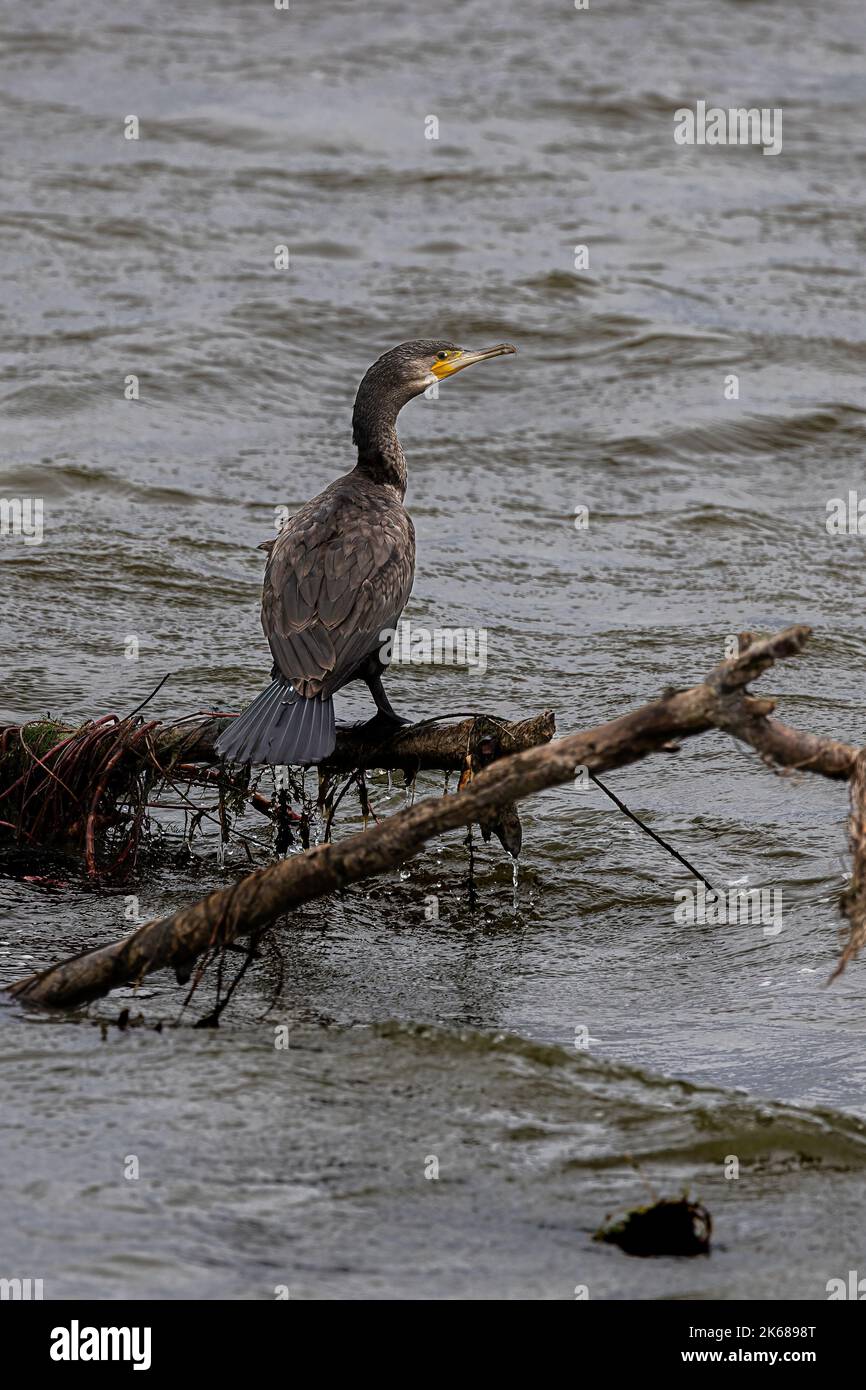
(442, 356)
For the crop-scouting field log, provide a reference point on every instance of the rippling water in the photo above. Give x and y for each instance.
(707, 516)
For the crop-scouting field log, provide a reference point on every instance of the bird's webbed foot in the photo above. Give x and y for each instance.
(385, 721)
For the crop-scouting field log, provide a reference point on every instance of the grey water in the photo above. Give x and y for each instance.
(567, 1051)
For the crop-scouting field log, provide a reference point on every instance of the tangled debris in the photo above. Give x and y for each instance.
(91, 791)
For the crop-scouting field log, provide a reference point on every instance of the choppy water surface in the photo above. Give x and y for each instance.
(453, 1039)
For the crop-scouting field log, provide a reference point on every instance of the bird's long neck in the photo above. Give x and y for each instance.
(374, 430)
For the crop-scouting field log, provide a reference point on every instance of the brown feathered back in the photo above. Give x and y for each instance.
(338, 574)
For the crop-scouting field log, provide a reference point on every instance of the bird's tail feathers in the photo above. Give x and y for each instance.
(281, 727)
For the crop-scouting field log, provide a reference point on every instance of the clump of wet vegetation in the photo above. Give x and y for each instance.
(96, 794)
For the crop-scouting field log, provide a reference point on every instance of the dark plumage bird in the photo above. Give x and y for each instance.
(340, 572)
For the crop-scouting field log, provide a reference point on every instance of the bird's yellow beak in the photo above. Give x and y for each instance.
(462, 359)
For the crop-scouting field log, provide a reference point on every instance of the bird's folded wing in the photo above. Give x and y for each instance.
(338, 575)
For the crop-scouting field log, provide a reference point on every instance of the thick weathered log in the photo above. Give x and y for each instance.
(431, 747)
(426, 746)
(261, 897)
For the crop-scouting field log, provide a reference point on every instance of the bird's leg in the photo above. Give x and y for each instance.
(383, 704)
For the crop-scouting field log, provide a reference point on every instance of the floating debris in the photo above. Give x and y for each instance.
(673, 1226)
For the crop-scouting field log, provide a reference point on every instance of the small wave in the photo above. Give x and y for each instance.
(615, 1115)
(755, 434)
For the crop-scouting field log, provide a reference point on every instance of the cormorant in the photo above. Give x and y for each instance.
(340, 572)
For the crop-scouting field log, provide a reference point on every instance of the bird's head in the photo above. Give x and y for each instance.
(410, 368)
(402, 373)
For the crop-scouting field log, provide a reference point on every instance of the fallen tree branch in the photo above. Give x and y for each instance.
(264, 895)
(853, 901)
